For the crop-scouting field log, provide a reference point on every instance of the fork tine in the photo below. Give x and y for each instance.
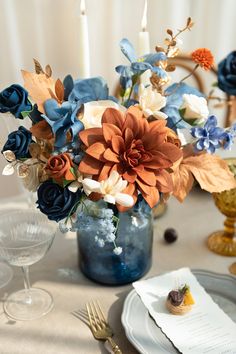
(101, 312)
(90, 317)
(100, 319)
(95, 315)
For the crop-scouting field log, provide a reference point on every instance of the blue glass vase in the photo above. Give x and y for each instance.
(129, 259)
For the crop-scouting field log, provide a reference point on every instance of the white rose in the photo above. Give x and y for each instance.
(94, 110)
(195, 108)
(151, 102)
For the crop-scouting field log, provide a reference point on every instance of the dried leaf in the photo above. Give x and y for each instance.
(159, 49)
(9, 155)
(34, 150)
(23, 170)
(37, 66)
(38, 86)
(42, 130)
(170, 68)
(59, 90)
(183, 182)
(48, 70)
(8, 170)
(211, 172)
(170, 32)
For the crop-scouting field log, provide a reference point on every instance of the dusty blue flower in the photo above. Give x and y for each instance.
(209, 137)
(138, 65)
(14, 99)
(62, 119)
(227, 74)
(18, 142)
(228, 137)
(88, 90)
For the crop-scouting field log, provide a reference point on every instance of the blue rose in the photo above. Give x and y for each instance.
(14, 99)
(19, 142)
(227, 74)
(55, 201)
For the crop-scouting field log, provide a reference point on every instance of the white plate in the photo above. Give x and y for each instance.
(144, 334)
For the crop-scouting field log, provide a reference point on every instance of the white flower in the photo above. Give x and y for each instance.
(94, 110)
(117, 250)
(195, 108)
(75, 185)
(185, 136)
(110, 188)
(151, 102)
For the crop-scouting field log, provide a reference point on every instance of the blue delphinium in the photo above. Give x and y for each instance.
(137, 65)
(209, 137)
(228, 137)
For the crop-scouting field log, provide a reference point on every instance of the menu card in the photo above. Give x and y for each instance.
(206, 329)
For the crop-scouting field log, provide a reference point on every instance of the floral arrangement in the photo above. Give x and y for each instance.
(151, 142)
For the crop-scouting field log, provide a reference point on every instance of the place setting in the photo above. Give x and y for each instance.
(128, 206)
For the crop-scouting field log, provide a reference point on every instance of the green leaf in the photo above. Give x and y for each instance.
(72, 170)
(182, 112)
(65, 183)
(215, 84)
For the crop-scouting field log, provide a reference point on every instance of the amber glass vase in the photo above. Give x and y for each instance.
(223, 242)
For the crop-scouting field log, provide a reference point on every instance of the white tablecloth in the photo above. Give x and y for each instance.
(60, 332)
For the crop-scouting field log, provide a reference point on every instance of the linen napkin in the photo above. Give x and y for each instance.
(206, 329)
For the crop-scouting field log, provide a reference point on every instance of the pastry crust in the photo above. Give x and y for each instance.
(178, 310)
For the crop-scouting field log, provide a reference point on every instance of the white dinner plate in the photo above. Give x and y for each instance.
(141, 329)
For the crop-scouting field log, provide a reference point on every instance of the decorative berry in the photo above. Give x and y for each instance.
(170, 235)
(176, 297)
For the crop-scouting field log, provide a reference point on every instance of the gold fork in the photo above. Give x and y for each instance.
(99, 326)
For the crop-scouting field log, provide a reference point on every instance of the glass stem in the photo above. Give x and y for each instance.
(229, 227)
(25, 270)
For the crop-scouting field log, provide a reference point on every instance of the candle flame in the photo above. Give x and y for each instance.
(82, 7)
(144, 18)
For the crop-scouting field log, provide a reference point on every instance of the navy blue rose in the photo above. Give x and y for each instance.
(227, 74)
(14, 99)
(55, 201)
(19, 142)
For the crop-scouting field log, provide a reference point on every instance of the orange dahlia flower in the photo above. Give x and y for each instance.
(136, 149)
(203, 57)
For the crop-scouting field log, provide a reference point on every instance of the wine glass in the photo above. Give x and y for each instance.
(6, 274)
(25, 237)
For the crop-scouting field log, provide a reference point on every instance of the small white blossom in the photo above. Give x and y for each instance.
(110, 237)
(110, 188)
(100, 242)
(185, 136)
(195, 108)
(151, 102)
(75, 185)
(117, 250)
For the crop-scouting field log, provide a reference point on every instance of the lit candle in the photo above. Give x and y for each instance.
(84, 62)
(144, 44)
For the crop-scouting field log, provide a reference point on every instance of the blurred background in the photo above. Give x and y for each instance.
(48, 30)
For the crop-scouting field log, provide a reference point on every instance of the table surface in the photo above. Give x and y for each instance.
(60, 332)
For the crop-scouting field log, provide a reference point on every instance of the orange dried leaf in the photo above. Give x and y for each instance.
(38, 67)
(182, 181)
(42, 130)
(38, 86)
(48, 70)
(211, 172)
(59, 90)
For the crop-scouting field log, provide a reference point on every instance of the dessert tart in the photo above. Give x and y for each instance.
(180, 301)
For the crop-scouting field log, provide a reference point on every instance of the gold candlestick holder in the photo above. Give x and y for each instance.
(223, 242)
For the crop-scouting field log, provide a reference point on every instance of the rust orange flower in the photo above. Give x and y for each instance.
(136, 149)
(203, 57)
(59, 167)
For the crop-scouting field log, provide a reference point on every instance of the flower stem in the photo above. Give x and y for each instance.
(190, 74)
(25, 270)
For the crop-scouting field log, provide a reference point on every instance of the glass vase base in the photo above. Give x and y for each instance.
(219, 243)
(21, 306)
(6, 274)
